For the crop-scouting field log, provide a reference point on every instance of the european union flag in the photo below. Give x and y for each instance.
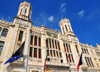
(18, 54)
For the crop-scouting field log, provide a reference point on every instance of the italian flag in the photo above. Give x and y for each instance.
(79, 63)
(46, 58)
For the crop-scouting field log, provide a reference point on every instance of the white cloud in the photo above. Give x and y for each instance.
(9, 17)
(63, 10)
(81, 13)
(62, 7)
(2, 18)
(40, 15)
(56, 29)
(51, 18)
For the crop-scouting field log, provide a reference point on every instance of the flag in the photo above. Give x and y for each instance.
(18, 54)
(79, 63)
(46, 58)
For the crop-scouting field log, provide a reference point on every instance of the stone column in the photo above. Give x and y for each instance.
(43, 45)
(9, 47)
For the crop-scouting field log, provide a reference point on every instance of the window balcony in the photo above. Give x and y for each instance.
(84, 67)
(18, 62)
(57, 66)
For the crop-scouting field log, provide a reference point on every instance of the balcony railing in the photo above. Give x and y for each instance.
(57, 64)
(18, 62)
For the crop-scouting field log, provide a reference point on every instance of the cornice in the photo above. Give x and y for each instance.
(5, 23)
(36, 29)
(88, 46)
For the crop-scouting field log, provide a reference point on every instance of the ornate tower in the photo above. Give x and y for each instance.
(24, 13)
(66, 27)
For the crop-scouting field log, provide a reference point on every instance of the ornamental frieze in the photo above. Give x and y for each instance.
(52, 35)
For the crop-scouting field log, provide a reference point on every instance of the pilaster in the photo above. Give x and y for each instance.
(9, 47)
(62, 50)
(43, 45)
(26, 48)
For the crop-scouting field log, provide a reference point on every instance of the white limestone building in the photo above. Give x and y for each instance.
(64, 47)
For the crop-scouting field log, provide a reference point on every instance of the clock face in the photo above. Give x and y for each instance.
(23, 22)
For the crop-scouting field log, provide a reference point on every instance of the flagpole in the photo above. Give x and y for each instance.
(27, 52)
(46, 56)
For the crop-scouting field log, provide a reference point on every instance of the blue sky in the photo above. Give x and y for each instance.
(84, 15)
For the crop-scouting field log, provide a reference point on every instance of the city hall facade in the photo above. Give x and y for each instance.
(64, 47)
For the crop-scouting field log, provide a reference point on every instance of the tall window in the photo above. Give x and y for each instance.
(1, 46)
(39, 53)
(31, 42)
(60, 54)
(69, 27)
(35, 49)
(25, 10)
(20, 36)
(58, 46)
(54, 49)
(35, 41)
(51, 53)
(4, 33)
(31, 50)
(86, 61)
(0, 28)
(53, 43)
(63, 30)
(89, 62)
(39, 41)
(35, 52)
(77, 48)
(68, 53)
(21, 11)
(66, 28)
(85, 51)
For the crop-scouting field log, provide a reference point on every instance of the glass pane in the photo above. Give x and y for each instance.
(39, 41)
(1, 46)
(31, 40)
(0, 28)
(20, 36)
(4, 33)
(39, 53)
(35, 52)
(30, 52)
(35, 41)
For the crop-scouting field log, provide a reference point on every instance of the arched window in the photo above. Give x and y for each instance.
(54, 48)
(63, 30)
(21, 11)
(0, 28)
(66, 28)
(25, 10)
(4, 33)
(69, 27)
(20, 36)
(1, 46)
(84, 51)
